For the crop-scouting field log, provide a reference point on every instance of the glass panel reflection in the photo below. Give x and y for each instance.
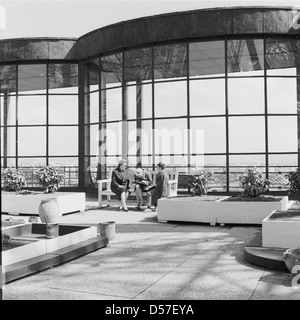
(207, 97)
(282, 95)
(138, 65)
(207, 58)
(211, 132)
(246, 96)
(92, 75)
(245, 57)
(32, 141)
(283, 134)
(32, 77)
(111, 108)
(8, 110)
(111, 71)
(63, 141)
(170, 61)
(282, 54)
(32, 109)
(63, 109)
(8, 76)
(139, 101)
(170, 99)
(246, 134)
(63, 77)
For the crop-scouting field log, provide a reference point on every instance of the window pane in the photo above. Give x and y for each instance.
(92, 139)
(111, 71)
(8, 76)
(8, 141)
(283, 134)
(278, 160)
(140, 140)
(139, 99)
(246, 96)
(282, 56)
(32, 109)
(94, 107)
(114, 139)
(63, 78)
(171, 136)
(207, 97)
(237, 166)
(245, 57)
(282, 95)
(92, 75)
(63, 109)
(32, 77)
(246, 134)
(111, 104)
(63, 141)
(70, 167)
(207, 58)
(8, 114)
(11, 163)
(32, 141)
(138, 65)
(211, 132)
(172, 161)
(171, 99)
(31, 163)
(170, 61)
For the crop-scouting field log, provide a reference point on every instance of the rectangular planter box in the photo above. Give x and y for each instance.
(40, 244)
(280, 234)
(28, 204)
(218, 211)
(186, 210)
(248, 212)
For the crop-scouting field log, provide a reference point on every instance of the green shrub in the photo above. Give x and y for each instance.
(253, 183)
(13, 180)
(50, 178)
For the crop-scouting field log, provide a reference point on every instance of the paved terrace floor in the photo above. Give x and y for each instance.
(157, 261)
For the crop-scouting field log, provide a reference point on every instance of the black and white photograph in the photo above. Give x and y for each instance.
(150, 153)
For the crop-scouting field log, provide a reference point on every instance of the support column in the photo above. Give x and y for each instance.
(139, 123)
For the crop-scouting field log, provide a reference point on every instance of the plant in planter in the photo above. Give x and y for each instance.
(198, 182)
(13, 180)
(294, 181)
(50, 178)
(253, 183)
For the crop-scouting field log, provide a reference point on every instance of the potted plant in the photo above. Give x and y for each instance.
(253, 183)
(198, 182)
(50, 178)
(13, 180)
(294, 181)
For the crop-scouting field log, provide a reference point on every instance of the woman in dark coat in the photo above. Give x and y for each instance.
(120, 184)
(161, 184)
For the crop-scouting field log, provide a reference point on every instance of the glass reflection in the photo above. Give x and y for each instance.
(207, 58)
(207, 97)
(32, 77)
(139, 101)
(170, 61)
(245, 57)
(63, 77)
(138, 65)
(8, 76)
(111, 71)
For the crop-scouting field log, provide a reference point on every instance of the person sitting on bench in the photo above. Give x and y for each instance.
(120, 184)
(142, 181)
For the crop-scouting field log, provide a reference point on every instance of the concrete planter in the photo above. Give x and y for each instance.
(219, 211)
(28, 204)
(248, 212)
(279, 233)
(39, 244)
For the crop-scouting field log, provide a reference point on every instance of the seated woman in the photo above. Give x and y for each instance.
(120, 184)
(142, 180)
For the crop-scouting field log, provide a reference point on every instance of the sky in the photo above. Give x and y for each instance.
(74, 18)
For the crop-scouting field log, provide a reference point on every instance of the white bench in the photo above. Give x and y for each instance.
(104, 188)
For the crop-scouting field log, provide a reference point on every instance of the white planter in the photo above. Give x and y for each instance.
(248, 212)
(191, 210)
(41, 245)
(280, 234)
(28, 204)
(218, 211)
